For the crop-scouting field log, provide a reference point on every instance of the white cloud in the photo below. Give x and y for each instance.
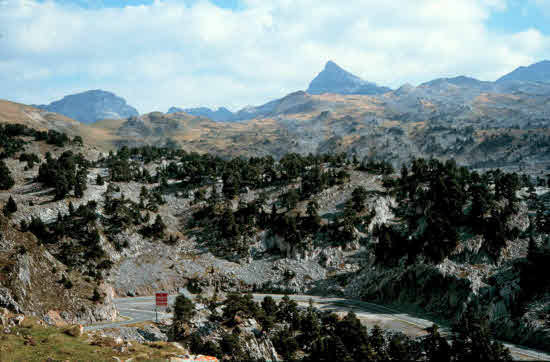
(170, 54)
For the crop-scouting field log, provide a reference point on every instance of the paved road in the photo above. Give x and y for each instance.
(141, 309)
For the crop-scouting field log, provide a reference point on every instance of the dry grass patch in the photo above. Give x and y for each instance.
(33, 342)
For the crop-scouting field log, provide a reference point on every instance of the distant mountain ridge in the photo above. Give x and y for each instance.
(538, 72)
(222, 114)
(91, 106)
(94, 105)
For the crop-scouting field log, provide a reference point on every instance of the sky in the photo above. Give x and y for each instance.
(189, 53)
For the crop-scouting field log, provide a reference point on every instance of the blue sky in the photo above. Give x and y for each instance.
(162, 53)
(521, 15)
(97, 4)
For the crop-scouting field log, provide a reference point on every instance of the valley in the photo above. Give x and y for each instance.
(408, 207)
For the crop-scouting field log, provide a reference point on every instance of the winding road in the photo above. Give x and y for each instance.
(141, 309)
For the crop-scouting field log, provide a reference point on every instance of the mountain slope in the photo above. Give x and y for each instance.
(11, 112)
(538, 72)
(334, 79)
(91, 106)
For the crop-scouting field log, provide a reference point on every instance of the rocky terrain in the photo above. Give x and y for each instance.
(317, 207)
(320, 263)
(31, 284)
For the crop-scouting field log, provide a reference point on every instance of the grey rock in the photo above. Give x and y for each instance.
(7, 301)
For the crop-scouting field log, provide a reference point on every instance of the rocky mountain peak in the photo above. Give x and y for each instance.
(92, 106)
(334, 79)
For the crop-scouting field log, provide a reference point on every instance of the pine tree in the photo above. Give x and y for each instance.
(437, 348)
(10, 207)
(78, 191)
(532, 246)
(184, 309)
(231, 185)
(158, 227)
(358, 197)
(96, 297)
(99, 180)
(269, 306)
(6, 181)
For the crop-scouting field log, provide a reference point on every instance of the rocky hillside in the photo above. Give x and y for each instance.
(92, 106)
(34, 282)
(434, 237)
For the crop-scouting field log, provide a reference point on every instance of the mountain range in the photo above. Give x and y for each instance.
(505, 122)
(222, 114)
(91, 106)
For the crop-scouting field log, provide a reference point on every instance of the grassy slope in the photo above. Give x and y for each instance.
(51, 342)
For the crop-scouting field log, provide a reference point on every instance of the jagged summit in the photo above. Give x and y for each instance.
(334, 79)
(92, 106)
(537, 72)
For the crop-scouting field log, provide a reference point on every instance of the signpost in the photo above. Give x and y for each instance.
(161, 300)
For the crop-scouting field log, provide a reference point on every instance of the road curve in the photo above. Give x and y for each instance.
(141, 309)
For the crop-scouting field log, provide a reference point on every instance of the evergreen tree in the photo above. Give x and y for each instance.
(313, 215)
(158, 227)
(96, 297)
(290, 199)
(231, 185)
(472, 340)
(228, 226)
(269, 306)
(10, 207)
(358, 197)
(99, 180)
(184, 309)
(437, 348)
(6, 181)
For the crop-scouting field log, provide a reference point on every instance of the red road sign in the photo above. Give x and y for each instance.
(161, 299)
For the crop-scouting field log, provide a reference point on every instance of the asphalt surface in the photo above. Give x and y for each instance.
(142, 309)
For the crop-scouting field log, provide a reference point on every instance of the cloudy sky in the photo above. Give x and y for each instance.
(232, 53)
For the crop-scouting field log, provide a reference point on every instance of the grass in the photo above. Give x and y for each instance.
(33, 342)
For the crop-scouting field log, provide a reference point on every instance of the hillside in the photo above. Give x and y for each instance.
(147, 219)
(11, 112)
